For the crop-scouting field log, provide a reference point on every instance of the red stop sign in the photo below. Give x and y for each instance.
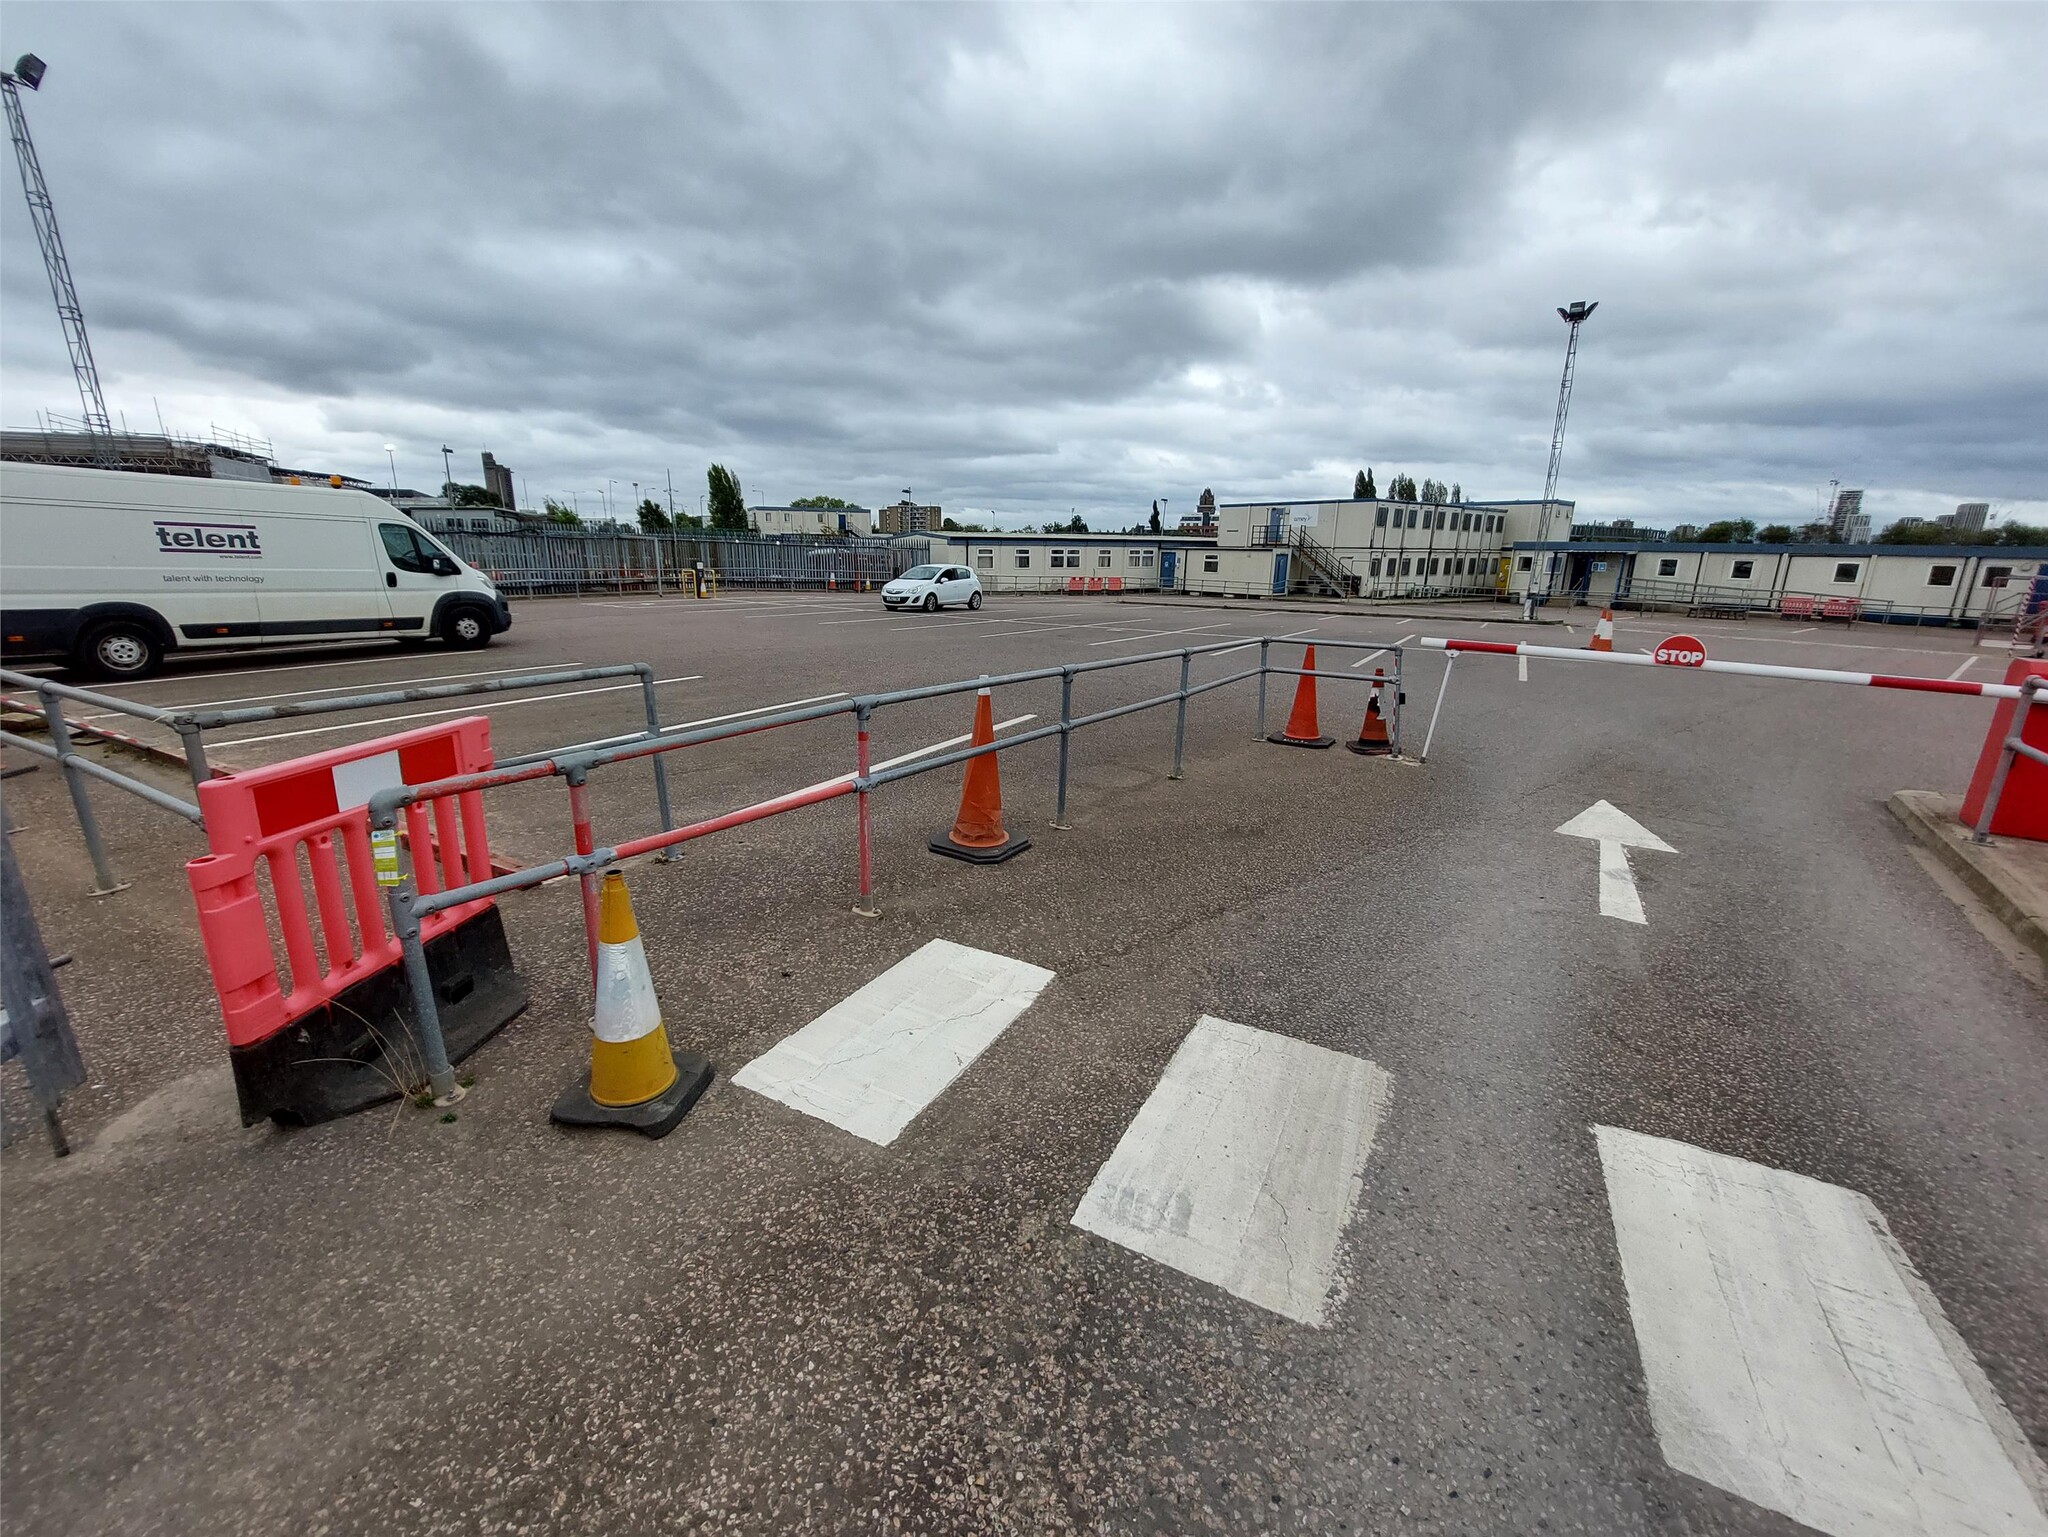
(1680, 651)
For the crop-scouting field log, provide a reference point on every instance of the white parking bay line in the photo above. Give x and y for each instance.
(1244, 1166)
(378, 686)
(462, 709)
(872, 1062)
(1522, 669)
(1795, 1357)
(1968, 663)
(1382, 651)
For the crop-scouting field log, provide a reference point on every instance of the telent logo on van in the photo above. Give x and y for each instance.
(207, 538)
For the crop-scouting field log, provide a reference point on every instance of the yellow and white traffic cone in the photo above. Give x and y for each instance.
(636, 1079)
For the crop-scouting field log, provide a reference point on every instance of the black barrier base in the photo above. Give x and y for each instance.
(1367, 749)
(1280, 739)
(359, 1050)
(656, 1118)
(994, 856)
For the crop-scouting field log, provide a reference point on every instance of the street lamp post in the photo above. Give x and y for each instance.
(448, 474)
(1573, 317)
(391, 453)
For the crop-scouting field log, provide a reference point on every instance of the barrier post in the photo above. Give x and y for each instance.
(405, 927)
(1265, 653)
(194, 742)
(81, 804)
(1450, 658)
(1059, 810)
(1400, 692)
(660, 760)
(864, 904)
(579, 817)
(1180, 722)
(433, 1049)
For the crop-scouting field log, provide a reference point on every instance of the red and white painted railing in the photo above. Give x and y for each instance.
(1684, 651)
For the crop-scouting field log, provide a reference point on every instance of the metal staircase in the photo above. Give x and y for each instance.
(1317, 570)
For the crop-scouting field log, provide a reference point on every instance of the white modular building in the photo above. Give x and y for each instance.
(1898, 583)
(1367, 548)
(811, 520)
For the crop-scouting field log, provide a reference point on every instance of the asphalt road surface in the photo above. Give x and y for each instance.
(1297, 1146)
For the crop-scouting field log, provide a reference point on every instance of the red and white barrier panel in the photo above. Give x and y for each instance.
(1689, 651)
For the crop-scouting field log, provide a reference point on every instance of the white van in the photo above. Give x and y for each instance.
(111, 569)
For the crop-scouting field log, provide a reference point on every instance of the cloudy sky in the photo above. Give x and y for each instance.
(1045, 258)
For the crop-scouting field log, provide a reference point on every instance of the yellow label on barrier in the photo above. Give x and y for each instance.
(384, 855)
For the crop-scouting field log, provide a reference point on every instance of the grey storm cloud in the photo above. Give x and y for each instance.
(1044, 257)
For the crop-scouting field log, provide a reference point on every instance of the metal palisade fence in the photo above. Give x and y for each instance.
(535, 562)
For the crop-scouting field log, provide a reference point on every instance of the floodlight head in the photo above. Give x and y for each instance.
(1579, 311)
(29, 70)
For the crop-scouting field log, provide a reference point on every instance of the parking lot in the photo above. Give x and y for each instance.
(766, 1323)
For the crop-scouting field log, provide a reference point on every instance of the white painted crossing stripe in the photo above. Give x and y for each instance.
(1244, 1166)
(1968, 663)
(471, 708)
(871, 1063)
(1522, 670)
(1795, 1357)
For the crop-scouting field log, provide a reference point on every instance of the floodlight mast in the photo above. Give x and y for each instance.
(1574, 316)
(29, 70)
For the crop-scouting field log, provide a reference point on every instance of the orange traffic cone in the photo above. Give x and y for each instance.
(977, 834)
(1302, 730)
(636, 1079)
(1603, 632)
(1373, 741)
(831, 581)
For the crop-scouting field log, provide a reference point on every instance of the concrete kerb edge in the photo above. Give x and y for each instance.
(1931, 818)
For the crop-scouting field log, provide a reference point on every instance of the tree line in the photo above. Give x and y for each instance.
(1402, 488)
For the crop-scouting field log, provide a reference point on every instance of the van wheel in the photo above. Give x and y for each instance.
(466, 628)
(119, 650)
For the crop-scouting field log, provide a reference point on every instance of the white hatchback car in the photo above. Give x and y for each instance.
(933, 587)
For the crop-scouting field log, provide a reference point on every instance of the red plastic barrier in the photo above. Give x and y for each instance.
(1073, 584)
(273, 818)
(2023, 803)
(1096, 584)
(1116, 584)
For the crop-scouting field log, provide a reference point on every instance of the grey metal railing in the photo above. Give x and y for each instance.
(191, 724)
(408, 905)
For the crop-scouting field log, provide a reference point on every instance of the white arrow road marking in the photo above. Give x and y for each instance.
(1616, 832)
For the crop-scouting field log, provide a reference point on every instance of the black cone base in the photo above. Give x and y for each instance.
(654, 1118)
(995, 856)
(1282, 739)
(1367, 749)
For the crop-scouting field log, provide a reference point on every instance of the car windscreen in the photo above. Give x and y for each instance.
(921, 573)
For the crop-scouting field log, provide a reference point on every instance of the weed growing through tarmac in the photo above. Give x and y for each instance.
(397, 1062)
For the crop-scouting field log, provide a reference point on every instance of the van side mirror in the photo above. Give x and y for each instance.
(443, 566)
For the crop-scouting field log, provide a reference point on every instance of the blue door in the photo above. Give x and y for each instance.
(1169, 561)
(1273, 517)
(1279, 573)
